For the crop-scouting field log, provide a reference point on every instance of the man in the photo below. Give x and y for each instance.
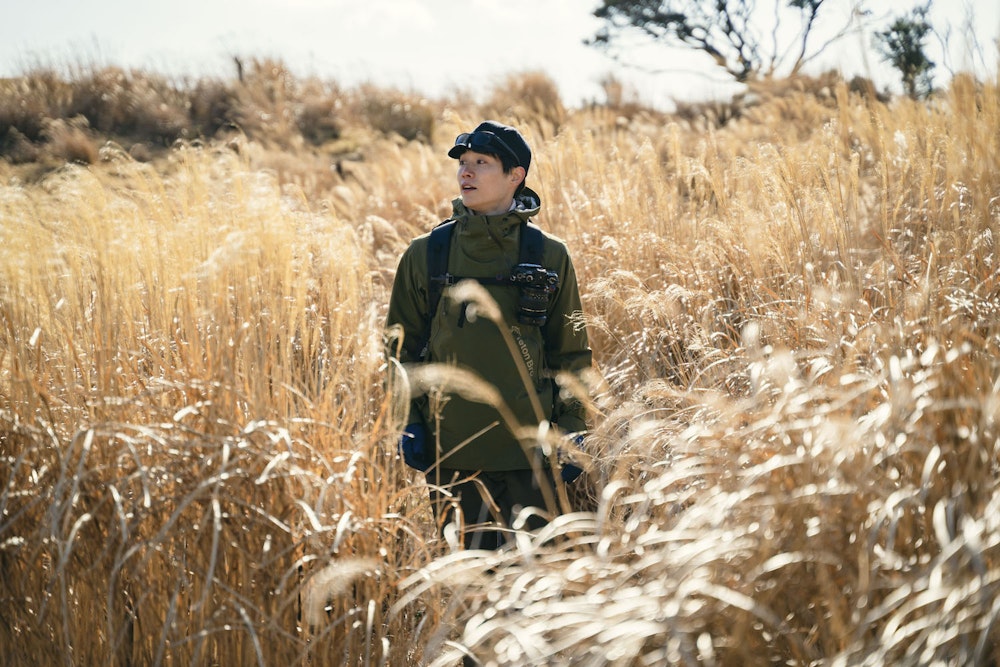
(468, 448)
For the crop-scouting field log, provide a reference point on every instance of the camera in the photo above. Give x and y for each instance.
(537, 285)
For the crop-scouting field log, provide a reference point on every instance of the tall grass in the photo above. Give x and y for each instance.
(794, 453)
(192, 406)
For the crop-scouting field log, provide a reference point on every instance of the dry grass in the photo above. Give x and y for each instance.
(794, 457)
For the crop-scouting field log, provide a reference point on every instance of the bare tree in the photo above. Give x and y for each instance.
(726, 30)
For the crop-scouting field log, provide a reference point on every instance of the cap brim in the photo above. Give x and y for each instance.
(457, 150)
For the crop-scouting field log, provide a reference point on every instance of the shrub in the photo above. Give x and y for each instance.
(393, 112)
(121, 103)
(25, 102)
(317, 120)
(528, 95)
(70, 140)
(212, 106)
(17, 148)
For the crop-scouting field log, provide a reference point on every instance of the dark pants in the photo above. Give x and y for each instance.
(489, 502)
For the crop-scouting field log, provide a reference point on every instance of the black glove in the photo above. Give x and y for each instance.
(413, 447)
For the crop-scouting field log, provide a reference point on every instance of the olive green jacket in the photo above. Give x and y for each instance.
(468, 434)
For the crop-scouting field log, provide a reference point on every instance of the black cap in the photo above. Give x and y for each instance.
(510, 142)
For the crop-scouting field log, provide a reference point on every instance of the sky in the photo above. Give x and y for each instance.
(426, 46)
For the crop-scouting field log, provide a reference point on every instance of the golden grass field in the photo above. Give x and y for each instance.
(794, 457)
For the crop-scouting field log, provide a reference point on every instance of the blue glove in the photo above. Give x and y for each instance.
(570, 471)
(413, 447)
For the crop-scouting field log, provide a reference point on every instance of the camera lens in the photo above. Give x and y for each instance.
(537, 284)
(532, 306)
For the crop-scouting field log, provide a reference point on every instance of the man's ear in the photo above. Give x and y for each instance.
(517, 175)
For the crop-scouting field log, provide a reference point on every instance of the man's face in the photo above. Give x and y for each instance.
(485, 188)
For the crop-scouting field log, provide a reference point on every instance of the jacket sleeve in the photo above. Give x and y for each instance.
(407, 316)
(567, 347)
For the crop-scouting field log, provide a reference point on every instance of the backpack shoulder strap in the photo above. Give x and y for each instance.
(438, 246)
(532, 244)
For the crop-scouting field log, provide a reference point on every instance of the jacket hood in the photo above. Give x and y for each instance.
(528, 200)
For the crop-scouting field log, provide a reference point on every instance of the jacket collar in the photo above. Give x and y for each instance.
(526, 204)
(480, 234)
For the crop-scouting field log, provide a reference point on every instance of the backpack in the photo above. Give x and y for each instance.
(438, 246)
